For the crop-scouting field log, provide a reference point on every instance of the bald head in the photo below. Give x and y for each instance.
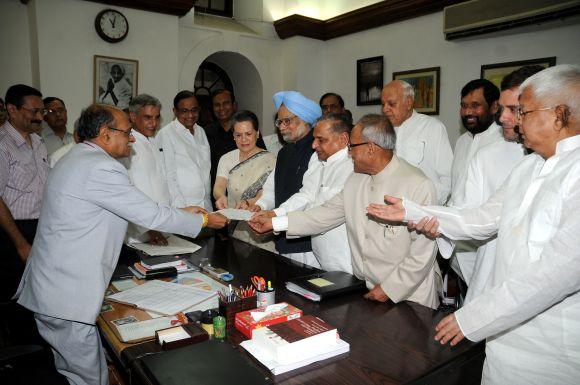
(397, 100)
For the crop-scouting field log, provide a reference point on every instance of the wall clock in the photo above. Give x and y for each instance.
(111, 25)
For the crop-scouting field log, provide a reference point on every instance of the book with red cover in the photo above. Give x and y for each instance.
(246, 324)
(288, 341)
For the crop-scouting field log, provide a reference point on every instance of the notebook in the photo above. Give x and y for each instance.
(205, 363)
(319, 286)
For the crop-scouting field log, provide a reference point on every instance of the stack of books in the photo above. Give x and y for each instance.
(293, 344)
(160, 266)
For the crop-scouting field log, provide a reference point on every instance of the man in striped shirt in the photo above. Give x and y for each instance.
(23, 171)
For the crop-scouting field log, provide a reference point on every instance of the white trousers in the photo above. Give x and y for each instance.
(78, 353)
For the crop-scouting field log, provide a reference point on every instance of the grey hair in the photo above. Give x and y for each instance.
(379, 130)
(556, 85)
(143, 100)
(408, 89)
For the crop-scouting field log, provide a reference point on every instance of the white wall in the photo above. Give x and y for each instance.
(15, 57)
(419, 43)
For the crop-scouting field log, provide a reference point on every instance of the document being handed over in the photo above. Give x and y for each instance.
(236, 214)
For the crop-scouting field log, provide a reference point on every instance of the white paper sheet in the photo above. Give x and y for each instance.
(163, 297)
(236, 214)
(176, 245)
(143, 329)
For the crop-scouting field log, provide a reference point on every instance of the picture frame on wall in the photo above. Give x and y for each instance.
(115, 80)
(426, 83)
(369, 81)
(496, 72)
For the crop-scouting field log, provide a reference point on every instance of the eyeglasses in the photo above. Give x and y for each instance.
(185, 111)
(35, 111)
(129, 132)
(521, 113)
(353, 145)
(54, 111)
(283, 121)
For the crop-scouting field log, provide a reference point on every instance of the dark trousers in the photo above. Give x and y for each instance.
(17, 323)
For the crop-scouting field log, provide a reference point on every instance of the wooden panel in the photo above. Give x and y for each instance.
(372, 16)
(170, 7)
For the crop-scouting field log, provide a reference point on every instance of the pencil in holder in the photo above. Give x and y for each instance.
(229, 310)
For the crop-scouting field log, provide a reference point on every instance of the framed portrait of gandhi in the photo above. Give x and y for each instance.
(115, 80)
(426, 84)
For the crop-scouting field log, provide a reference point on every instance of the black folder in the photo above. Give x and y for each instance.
(341, 283)
(205, 363)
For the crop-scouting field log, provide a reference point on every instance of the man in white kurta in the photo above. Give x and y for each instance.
(396, 264)
(328, 170)
(187, 156)
(478, 105)
(421, 140)
(530, 308)
(145, 165)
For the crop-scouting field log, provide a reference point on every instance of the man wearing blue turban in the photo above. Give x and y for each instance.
(296, 115)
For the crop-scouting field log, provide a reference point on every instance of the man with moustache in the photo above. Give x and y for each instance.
(54, 133)
(145, 165)
(479, 104)
(421, 139)
(88, 201)
(187, 155)
(489, 168)
(23, 171)
(296, 115)
(219, 133)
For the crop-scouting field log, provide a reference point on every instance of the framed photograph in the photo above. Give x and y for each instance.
(426, 83)
(369, 81)
(496, 72)
(115, 80)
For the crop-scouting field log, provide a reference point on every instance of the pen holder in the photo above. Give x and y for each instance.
(266, 298)
(229, 310)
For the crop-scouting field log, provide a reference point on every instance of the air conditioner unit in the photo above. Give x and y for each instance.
(477, 17)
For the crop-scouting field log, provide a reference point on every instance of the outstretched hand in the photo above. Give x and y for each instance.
(393, 211)
(448, 330)
(261, 224)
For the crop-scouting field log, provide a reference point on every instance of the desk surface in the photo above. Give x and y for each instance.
(389, 343)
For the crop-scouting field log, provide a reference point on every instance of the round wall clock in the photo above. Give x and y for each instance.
(112, 26)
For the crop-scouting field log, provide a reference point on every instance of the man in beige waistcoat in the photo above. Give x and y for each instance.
(397, 264)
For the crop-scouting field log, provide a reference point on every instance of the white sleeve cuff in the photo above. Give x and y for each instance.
(280, 212)
(280, 223)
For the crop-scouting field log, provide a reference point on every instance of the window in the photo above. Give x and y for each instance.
(215, 7)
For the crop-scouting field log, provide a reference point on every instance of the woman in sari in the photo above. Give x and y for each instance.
(241, 173)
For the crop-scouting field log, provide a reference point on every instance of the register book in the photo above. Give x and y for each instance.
(324, 285)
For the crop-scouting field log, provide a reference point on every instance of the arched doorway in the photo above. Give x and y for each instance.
(232, 71)
(209, 78)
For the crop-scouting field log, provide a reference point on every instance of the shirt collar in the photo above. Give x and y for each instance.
(568, 144)
(337, 156)
(18, 139)
(409, 120)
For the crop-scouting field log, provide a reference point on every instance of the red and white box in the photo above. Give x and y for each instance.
(247, 321)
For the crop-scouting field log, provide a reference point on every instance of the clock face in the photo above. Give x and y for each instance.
(111, 25)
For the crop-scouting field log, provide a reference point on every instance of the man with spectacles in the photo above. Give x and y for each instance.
(187, 155)
(295, 117)
(54, 133)
(89, 199)
(23, 172)
(421, 139)
(479, 104)
(529, 308)
(397, 264)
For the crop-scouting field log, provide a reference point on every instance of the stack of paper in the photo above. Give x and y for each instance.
(176, 245)
(162, 297)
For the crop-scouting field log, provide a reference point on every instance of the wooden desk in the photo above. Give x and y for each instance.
(389, 344)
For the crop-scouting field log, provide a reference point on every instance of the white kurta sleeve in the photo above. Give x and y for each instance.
(176, 196)
(543, 283)
(305, 197)
(318, 219)
(461, 224)
(442, 160)
(267, 200)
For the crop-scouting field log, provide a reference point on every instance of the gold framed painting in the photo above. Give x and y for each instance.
(426, 83)
(496, 72)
